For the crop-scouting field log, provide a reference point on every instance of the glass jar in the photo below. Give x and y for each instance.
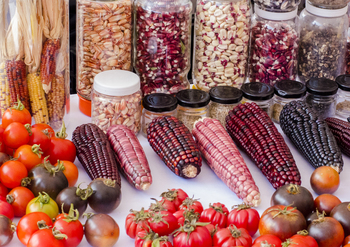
(193, 104)
(329, 4)
(104, 31)
(277, 5)
(322, 48)
(115, 102)
(348, 44)
(34, 37)
(274, 46)
(322, 95)
(221, 43)
(259, 93)
(157, 105)
(343, 99)
(285, 92)
(162, 44)
(223, 99)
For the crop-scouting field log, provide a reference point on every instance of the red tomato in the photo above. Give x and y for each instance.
(10, 151)
(42, 126)
(71, 227)
(216, 214)
(2, 144)
(163, 223)
(346, 240)
(267, 239)
(144, 238)
(177, 196)
(44, 237)
(231, 236)
(181, 215)
(303, 237)
(41, 135)
(212, 229)
(2, 129)
(3, 190)
(244, 217)
(12, 172)
(135, 220)
(70, 171)
(28, 224)
(190, 203)
(17, 113)
(30, 156)
(6, 209)
(163, 205)
(199, 237)
(294, 243)
(19, 198)
(15, 135)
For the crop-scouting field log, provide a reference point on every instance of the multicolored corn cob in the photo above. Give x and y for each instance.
(174, 144)
(56, 101)
(5, 101)
(252, 129)
(48, 62)
(130, 155)
(224, 159)
(95, 153)
(311, 135)
(341, 132)
(37, 99)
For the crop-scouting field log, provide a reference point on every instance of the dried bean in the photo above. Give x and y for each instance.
(329, 3)
(277, 5)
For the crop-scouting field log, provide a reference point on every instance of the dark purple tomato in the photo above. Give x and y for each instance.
(6, 230)
(327, 231)
(341, 213)
(76, 196)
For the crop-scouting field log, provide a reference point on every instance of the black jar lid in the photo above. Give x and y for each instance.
(193, 98)
(321, 86)
(343, 82)
(290, 89)
(159, 102)
(257, 91)
(225, 95)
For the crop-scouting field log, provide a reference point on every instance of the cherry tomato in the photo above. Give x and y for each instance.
(346, 240)
(190, 203)
(303, 237)
(232, 236)
(136, 220)
(6, 230)
(163, 205)
(244, 217)
(216, 214)
(15, 135)
(41, 137)
(163, 223)
(267, 239)
(28, 224)
(294, 243)
(70, 171)
(43, 203)
(198, 237)
(2, 144)
(10, 151)
(326, 202)
(42, 126)
(44, 237)
(3, 190)
(19, 198)
(12, 172)
(325, 180)
(30, 156)
(6, 209)
(18, 114)
(177, 196)
(2, 129)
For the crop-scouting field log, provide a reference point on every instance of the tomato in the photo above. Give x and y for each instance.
(267, 239)
(163, 205)
(43, 203)
(2, 144)
(19, 198)
(42, 126)
(27, 225)
(2, 129)
(190, 203)
(189, 215)
(6, 230)
(12, 172)
(325, 180)
(326, 202)
(293, 243)
(70, 170)
(327, 231)
(162, 242)
(41, 135)
(303, 237)
(44, 237)
(3, 190)
(15, 135)
(30, 156)
(17, 113)
(10, 151)
(232, 236)
(346, 240)
(282, 221)
(198, 237)
(144, 238)
(163, 223)
(6, 209)
(341, 213)
(177, 196)
(244, 217)
(347, 245)
(216, 214)
(134, 220)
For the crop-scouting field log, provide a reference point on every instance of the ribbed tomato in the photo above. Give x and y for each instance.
(163, 223)
(245, 217)
(198, 236)
(177, 196)
(135, 220)
(163, 205)
(190, 215)
(216, 214)
(231, 236)
(190, 203)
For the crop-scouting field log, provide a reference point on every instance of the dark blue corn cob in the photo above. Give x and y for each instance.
(341, 132)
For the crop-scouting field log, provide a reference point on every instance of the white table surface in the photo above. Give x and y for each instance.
(206, 187)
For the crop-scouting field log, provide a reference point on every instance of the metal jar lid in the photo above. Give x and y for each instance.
(290, 89)
(193, 98)
(225, 95)
(321, 86)
(343, 82)
(159, 102)
(257, 91)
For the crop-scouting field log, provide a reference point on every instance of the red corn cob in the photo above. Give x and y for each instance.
(130, 156)
(252, 129)
(174, 144)
(341, 132)
(48, 62)
(224, 159)
(95, 153)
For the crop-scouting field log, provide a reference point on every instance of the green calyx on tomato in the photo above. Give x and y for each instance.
(242, 206)
(84, 194)
(234, 231)
(52, 170)
(158, 217)
(62, 134)
(43, 198)
(156, 242)
(73, 214)
(303, 233)
(218, 209)
(283, 211)
(18, 105)
(293, 189)
(37, 150)
(10, 199)
(140, 215)
(288, 242)
(29, 129)
(189, 227)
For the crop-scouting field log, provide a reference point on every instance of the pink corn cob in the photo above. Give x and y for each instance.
(130, 155)
(224, 159)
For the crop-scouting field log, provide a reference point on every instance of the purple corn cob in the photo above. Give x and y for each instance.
(341, 132)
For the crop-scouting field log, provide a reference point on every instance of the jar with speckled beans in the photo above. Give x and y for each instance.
(278, 5)
(343, 99)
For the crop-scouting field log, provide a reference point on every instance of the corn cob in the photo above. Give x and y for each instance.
(130, 156)
(37, 99)
(56, 101)
(174, 144)
(95, 153)
(224, 159)
(4, 90)
(252, 129)
(48, 62)
(341, 132)
(311, 135)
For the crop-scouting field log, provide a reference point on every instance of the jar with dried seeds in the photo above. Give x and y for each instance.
(323, 37)
(104, 40)
(193, 104)
(277, 5)
(221, 43)
(343, 99)
(274, 46)
(162, 44)
(157, 105)
(223, 99)
(116, 102)
(329, 4)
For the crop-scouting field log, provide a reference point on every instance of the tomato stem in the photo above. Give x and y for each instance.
(42, 225)
(37, 150)
(10, 199)
(26, 181)
(84, 194)
(109, 182)
(293, 189)
(234, 232)
(18, 105)
(73, 214)
(170, 195)
(242, 206)
(303, 233)
(57, 234)
(29, 129)
(43, 199)
(62, 134)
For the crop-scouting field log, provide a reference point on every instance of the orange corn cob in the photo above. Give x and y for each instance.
(56, 101)
(48, 62)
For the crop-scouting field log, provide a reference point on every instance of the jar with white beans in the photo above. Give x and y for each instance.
(221, 43)
(116, 102)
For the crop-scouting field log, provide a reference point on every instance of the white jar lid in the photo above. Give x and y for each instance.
(117, 82)
(275, 16)
(325, 12)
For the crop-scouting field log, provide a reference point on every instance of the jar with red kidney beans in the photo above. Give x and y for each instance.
(274, 46)
(221, 43)
(162, 44)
